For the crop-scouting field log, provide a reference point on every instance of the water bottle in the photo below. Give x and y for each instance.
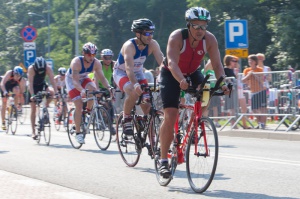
(205, 97)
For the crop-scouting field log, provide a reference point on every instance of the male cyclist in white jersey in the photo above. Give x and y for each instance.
(128, 70)
(77, 81)
(60, 84)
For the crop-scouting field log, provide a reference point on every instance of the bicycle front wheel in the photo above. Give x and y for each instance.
(101, 128)
(71, 130)
(47, 127)
(202, 155)
(126, 145)
(13, 119)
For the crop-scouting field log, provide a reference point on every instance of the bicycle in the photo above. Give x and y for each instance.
(130, 147)
(100, 119)
(60, 113)
(12, 115)
(199, 147)
(43, 126)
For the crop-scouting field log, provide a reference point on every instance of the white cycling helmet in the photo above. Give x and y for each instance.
(107, 52)
(197, 13)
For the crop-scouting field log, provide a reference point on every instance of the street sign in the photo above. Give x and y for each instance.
(236, 34)
(29, 53)
(241, 53)
(28, 33)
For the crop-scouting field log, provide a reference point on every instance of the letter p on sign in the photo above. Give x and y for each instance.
(236, 34)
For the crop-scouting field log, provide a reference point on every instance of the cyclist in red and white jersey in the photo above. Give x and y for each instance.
(185, 51)
(77, 81)
(128, 70)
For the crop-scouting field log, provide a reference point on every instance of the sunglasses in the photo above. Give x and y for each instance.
(90, 55)
(198, 27)
(234, 61)
(107, 57)
(147, 34)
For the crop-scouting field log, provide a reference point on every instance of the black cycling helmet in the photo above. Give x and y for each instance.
(141, 25)
(40, 64)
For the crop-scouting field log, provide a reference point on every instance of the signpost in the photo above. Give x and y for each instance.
(236, 38)
(29, 33)
(29, 53)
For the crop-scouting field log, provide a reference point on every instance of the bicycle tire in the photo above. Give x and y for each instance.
(47, 126)
(126, 145)
(154, 130)
(102, 128)
(161, 180)
(71, 130)
(115, 119)
(65, 116)
(22, 115)
(200, 167)
(13, 120)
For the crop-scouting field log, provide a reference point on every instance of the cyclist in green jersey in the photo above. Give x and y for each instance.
(107, 68)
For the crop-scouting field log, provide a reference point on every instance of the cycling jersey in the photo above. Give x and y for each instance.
(39, 77)
(139, 58)
(83, 73)
(60, 83)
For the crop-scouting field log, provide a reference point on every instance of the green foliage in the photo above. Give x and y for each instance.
(272, 24)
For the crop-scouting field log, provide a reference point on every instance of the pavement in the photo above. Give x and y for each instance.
(14, 186)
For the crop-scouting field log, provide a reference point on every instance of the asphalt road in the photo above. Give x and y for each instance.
(247, 168)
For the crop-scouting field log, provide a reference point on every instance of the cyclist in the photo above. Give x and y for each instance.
(185, 51)
(12, 82)
(77, 81)
(61, 85)
(107, 68)
(128, 70)
(36, 76)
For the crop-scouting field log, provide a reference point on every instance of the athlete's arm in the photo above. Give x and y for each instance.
(4, 80)
(50, 74)
(173, 52)
(128, 52)
(31, 74)
(155, 48)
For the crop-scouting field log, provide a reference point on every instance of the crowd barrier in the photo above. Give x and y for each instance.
(281, 110)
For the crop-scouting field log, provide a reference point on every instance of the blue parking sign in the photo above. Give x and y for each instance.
(29, 57)
(236, 34)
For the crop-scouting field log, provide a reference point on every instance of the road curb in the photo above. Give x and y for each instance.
(261, 134)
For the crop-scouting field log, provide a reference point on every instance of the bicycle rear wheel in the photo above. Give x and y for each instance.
(126, 144)
(172, 159)
(201, 164)
(22, 114)
(71, 130)
(101, 128)
(13, 119)
(47, 127)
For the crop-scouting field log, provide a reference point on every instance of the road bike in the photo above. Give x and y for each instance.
(147, 126)
(43, 127)
(61, 112)
(11, 115)
(198, 146)
(98, 117)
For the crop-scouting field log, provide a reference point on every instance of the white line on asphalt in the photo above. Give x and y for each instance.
(261, 159)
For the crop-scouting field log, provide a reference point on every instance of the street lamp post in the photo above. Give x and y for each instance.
(48, 24)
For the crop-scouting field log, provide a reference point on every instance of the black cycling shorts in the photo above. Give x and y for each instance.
(170, 90)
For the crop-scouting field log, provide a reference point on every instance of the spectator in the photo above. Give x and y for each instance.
(230, 63)
(267, 76)
(215, 100)
(257, 89)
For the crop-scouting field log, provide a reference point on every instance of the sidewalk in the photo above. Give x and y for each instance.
(14, 186)
(267, 133)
